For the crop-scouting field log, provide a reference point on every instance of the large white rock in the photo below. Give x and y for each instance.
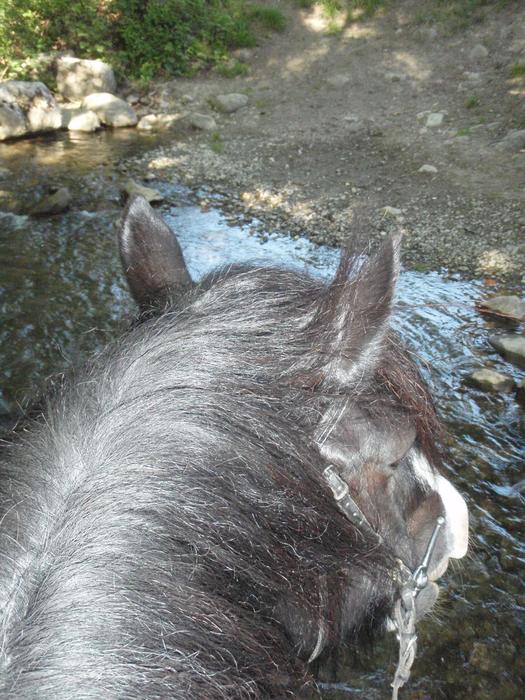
(77, 78)
(26, 107)
(110, 110)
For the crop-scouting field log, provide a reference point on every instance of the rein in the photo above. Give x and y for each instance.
(411, 583)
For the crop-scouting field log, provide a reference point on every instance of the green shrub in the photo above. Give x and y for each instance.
(141, 37)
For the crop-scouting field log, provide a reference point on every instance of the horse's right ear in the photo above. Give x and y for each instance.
(151, 256)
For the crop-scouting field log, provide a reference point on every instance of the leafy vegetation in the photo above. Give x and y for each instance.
(472, 102)
(141, 37)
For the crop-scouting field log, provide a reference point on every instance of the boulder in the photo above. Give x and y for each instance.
(505, 305)
(512, 347)
(490, 380)
(77, 78)
(230, 103)
(111, 110)
(27, 107)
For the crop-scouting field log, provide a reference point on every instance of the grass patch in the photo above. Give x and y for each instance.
(216, 143)
(465, 131)
(517, 70)
(267, 17)
(472, 102)
(457, 15)
(232, 69)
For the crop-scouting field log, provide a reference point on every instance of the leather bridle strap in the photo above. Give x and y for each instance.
(410, 583)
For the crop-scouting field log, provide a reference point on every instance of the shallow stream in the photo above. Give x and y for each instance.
(62, 295)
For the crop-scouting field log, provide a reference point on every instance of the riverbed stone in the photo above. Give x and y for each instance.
(84, 121)
(512, 347)
(505, 305)
(158, 122)
(27, 107)
(77, 78)
(54, 203)
(111, 110)
(205, 122)
(428, 169)
(338, 80)
(435, 119)
(490, 380)
(151, 195)
(230, 102)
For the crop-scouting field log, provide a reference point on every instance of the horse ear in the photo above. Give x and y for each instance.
(356, 311)
(151, 256)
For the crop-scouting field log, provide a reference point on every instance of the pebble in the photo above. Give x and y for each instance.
(478, 53)
(430, 169)
(338, 80)
(202, 121)
(230, 103)
(435, 119)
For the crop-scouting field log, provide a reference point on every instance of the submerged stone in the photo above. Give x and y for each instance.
(512, 347)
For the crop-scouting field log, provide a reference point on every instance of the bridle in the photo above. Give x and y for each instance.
(410, 584)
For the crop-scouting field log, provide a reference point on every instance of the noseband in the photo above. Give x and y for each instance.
(410, 584)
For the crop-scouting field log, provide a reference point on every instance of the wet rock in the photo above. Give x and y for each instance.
(111, 110)
(54, 203)
(435, 119)
(490, 380)
(77, 78)
(428, 169)
(478, 53)
(84, 121)
(27, 107)
(512, 347)
(13, 222)
(202, 121)
(509, 306)
(520, 396)
(158, 122)
(514, 141)
(230, 103)
(152, 196)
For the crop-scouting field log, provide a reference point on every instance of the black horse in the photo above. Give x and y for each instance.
(168, 526)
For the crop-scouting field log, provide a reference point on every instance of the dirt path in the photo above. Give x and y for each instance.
(336, 122)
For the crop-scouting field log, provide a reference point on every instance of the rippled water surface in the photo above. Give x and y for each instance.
(63, 294)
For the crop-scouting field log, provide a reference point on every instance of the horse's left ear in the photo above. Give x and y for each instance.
(151, 256)
(356, 311)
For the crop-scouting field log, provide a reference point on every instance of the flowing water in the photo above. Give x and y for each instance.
(62, 295)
